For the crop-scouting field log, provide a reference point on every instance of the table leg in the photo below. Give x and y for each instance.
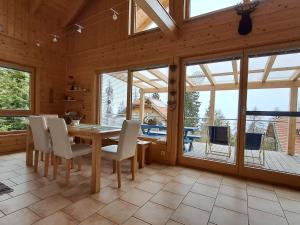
(29, 149)
(96, 164)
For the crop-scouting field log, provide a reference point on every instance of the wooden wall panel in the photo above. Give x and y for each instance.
(17, 45)
(105, 44)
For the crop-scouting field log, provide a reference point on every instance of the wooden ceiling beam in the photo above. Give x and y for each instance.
(268, 67)
(157, 13)
(35, 5)
(78, 5)
(208, 74)
(235, 71)
(295, 75)
(159, 75)
(143, 78)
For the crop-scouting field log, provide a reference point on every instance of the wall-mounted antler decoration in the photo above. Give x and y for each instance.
(244, 10)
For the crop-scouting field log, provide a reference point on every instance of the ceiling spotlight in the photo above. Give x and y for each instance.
(79, 28)
(115, 14)
(38, 44)
(55, 38)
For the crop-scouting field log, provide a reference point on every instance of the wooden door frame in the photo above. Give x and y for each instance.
(192, 161)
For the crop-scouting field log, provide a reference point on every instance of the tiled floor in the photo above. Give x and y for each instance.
(160, 195)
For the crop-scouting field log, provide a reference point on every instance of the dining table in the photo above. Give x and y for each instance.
(93, 132)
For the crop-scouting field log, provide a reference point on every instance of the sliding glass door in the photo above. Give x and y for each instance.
(210, 112)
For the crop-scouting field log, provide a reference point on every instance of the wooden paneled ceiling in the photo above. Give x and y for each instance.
(65, 11)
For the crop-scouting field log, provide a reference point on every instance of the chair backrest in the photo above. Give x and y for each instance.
(48, 116)
(218, 135)
(60, 139)
(40, 134)
(128, 138)
(254, 141)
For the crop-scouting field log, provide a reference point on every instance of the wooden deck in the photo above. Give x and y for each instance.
(275, 161)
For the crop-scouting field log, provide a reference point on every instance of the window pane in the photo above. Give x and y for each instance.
(200, 7)
(142, 20)
(13, 123)
(113, 98)
(151, 107)
(14, 89)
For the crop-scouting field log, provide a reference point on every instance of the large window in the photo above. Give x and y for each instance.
(113, 98)
(15, 97)
(149, 101)
(139, 20)
(200, 7)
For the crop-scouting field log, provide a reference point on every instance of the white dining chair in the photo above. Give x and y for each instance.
(62, 147)
(126, 148)
(41, 141)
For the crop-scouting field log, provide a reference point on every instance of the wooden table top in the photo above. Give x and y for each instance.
(93, 129)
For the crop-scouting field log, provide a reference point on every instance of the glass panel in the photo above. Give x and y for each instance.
(210, 120)
(13, 123)
(14, 89)
(113, 98)
(200, 7)
(154, 109)
(271, 141)
(143, 21)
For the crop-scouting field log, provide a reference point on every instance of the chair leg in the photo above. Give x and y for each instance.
(68, 170)
(52, 158)
(133, 167)
(55, 164)
(36, 160)
(114, 166)
(72, 163)
(79, 163)
(47, 157)
(119, 173)
(42, 156)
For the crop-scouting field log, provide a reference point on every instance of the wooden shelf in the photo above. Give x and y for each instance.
(74, 90)
(70, 100)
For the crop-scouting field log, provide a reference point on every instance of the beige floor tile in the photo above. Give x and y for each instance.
(170, 171)
(4, 197)
(190, 172)
(205, 190)
(154, 214)
(150, 186)
(292, 218)
(118, 211)
(167, 199)
(161, 178)
(83, 208)
(23, 216)
(58, 218)
(287, 193)
(8, 175)
(77, 192)
(25, 187)
(19, 202)
(260, 185)
(190, 216)
(126, 185)
(108, 194)
(199, 201)
(48, 190)
(223, 216)
(177, 188)
(257, 217)
(24, 178)
(262, 193)
(265, 205)
(171, 222)
(50, 205)
(211, 181)
(234, 182)
(135, 221)
(136, 197)
(96, 220)
(234, 204)
(149, 171)
(233, 192)
(184, 179)
(290, 205)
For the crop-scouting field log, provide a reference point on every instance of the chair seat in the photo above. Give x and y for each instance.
(140, 142)
(81, 149)
(110, 152)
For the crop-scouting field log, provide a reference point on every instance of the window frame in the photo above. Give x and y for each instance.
(21, 112)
